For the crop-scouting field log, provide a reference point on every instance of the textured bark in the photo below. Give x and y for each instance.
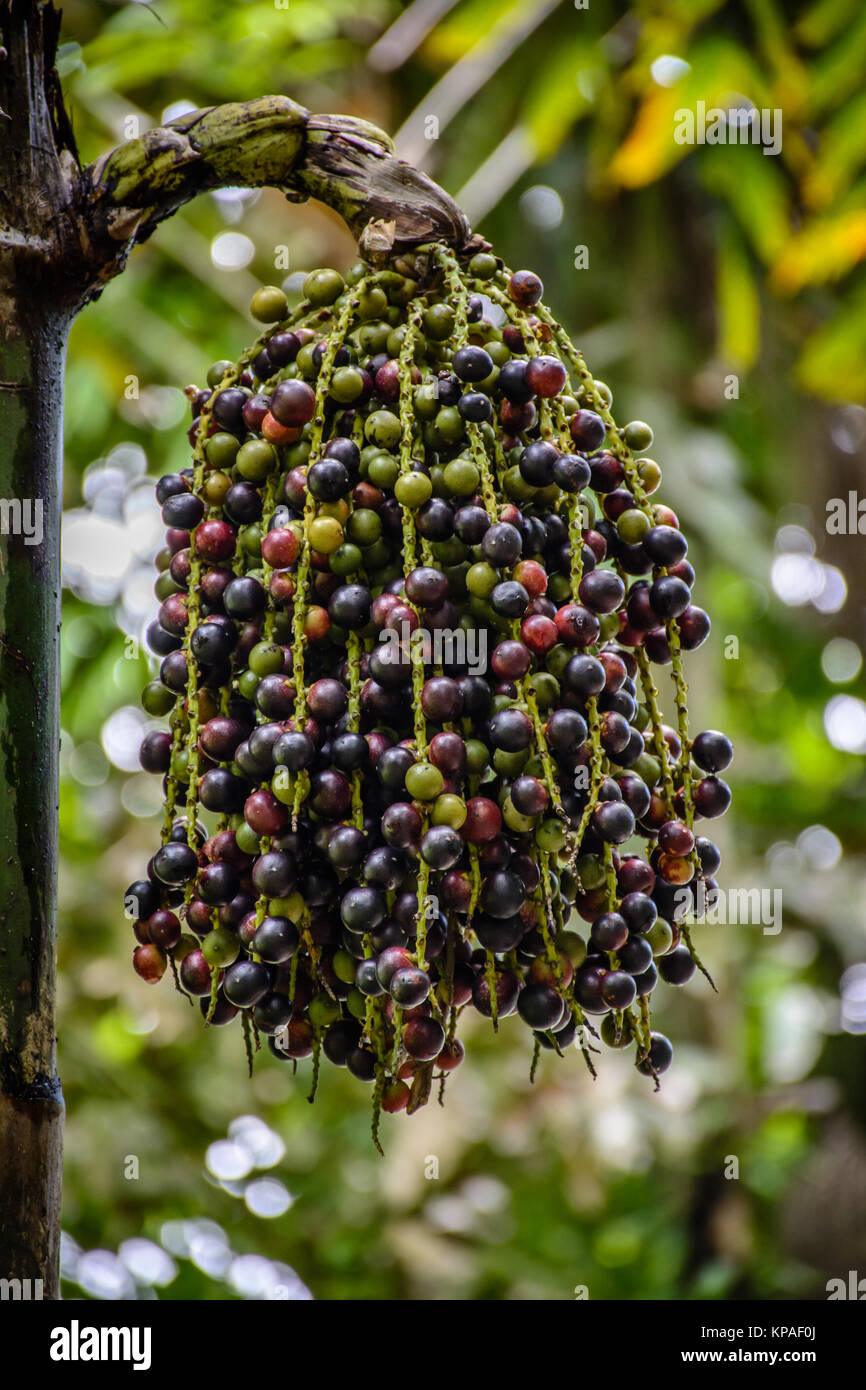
(33, 198)
(64, 232)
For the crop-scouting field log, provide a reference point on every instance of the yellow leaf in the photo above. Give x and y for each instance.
(718, 70)
(824, 251)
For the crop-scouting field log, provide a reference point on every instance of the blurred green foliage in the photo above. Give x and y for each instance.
(724, 299)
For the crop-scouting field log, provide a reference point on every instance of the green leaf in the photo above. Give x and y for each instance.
(833, 361)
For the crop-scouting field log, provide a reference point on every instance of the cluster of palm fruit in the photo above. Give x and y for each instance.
(412, 592)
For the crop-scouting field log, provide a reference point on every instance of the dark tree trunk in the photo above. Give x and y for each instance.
(31, 1102)
(32, 347)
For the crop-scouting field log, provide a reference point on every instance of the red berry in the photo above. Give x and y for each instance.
(316, 623)
(395, 1097)
(532, 576)
(483, 820)
(275, 433)
(215, 540)
(539, 634)
(279, 548)
(546, 376)
(264, 814)
(149, 963)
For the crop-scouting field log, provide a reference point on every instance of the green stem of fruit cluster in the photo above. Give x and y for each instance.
(353, 662)
(597, 765)
(660, 748)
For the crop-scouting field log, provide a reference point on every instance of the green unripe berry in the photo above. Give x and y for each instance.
(632, 525)
(323, 1010)
(165, 586)
(498, 352)
(306, 362)
(248, 684)
(372, 303)
(283, 788)
(269, 304)
(510, 764)
(156, 699)
(346, 559)
(376, 557)
(483, 266)
(558, 658)
(247, 839)
(346, 385)
(641, 718)
(216, 486)
(291, 907)
(571, 945)
(559, 590)
(383, 472)
(546, 689)
(425, 401)
(297, 454)
(373, 338)
(448, 810)
(251, 539)
(550, 835)
(449, 424)
(424, 782)
(363, 527)
(256, 459)
(266, 658)
(449, 552)
(344, 966)
(648, 768)
(356, 1004)
(220, 947)
(590, 871)
(221, 449)
(660, 936)
(481, 579)
(412, 490)
(515, 486)
(521, 825)
(179, 766)
(477, 756)
(218, 371)
(438, 322)
(326, 534)
(649, 473)
(461, 477)
(383, 428)
(638, 435)
(322, 287)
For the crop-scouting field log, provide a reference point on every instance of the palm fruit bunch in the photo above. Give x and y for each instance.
(413, 592)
